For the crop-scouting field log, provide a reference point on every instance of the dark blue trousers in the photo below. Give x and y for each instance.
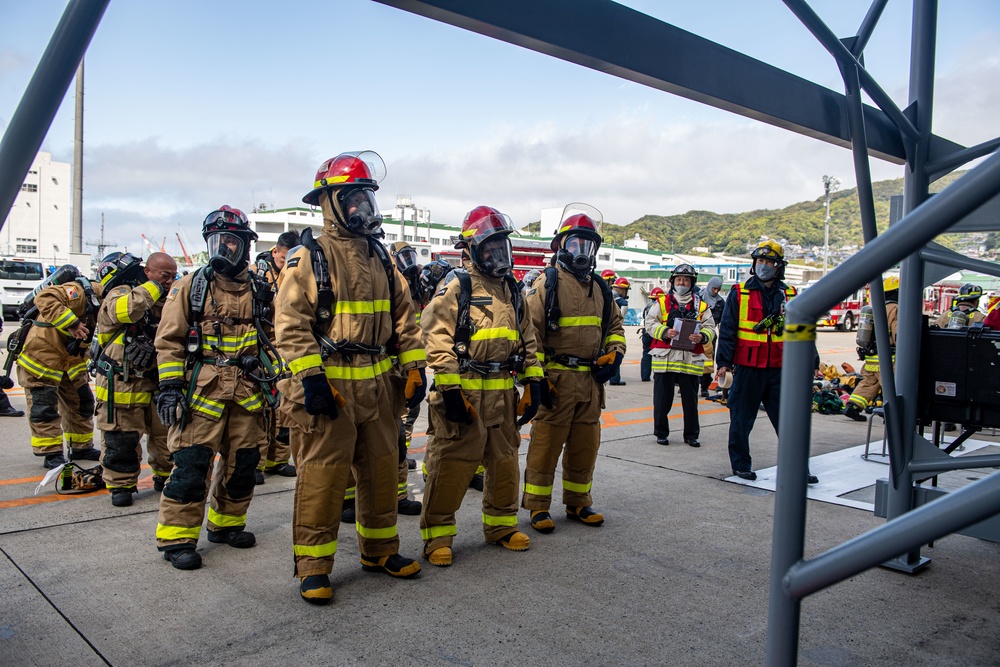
(751, 387)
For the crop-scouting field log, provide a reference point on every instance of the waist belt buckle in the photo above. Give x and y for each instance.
(573, 362)
(495, 366)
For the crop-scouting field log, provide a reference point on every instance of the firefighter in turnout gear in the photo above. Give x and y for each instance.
(964, 310)
(126, 370)
(343, 312)
(620, 288)
(581, 343)
(678, 361)
(275, 450)
(52, 368)
(871, 377)
(479, 336)
(750, 344)
(208, 352)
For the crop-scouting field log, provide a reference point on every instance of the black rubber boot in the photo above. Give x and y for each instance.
(183, 559)
(234, 537)
(316, 589)
(53, 461)
(851, 412)
(123, 497)
(408, 507)
(348, 514)
(477, 482)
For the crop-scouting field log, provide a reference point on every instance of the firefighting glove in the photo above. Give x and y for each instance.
(170, 404)
(546, 392)
(416, 387)
(140, 353)
(321, 397)
(527, 407)
(606, 367)
(456, 407)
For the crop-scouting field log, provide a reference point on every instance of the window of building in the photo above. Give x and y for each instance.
(33, 172)
(390, 237)
(605, 257)
(29, 187)
(23, 249)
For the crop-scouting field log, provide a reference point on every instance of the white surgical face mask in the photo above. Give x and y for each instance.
(682, 289)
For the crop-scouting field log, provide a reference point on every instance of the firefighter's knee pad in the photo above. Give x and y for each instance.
(187, 480)
(44, 404)
(119, 451)
(241, 483)
(87, 405)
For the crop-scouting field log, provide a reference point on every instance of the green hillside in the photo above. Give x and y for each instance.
(800, 224)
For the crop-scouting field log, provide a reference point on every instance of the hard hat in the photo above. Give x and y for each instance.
(684, 270)
(358, 168)
(656, 293)
(769, 249)
(622, 283)
(969, 292)
(891, 283)
(485, 234)
(609, 275)
(119, 269)
(581, 220)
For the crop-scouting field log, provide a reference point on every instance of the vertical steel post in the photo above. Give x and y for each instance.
(76, 241)
(915, 192)
(44, 94)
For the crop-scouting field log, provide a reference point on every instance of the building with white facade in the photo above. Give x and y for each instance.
(39, 225)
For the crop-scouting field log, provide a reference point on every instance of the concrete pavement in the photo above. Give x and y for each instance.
(678, 575)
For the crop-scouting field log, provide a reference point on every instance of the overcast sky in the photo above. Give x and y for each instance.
(192, 104)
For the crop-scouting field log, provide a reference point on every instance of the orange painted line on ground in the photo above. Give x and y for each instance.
(21, 480)
(38, 500)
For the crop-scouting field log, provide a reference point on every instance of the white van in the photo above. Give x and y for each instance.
(17, 278)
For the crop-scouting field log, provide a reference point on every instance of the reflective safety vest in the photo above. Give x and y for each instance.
(757, 350)
(668, 304)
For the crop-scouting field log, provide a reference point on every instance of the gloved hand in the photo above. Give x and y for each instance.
(527, 407)
(170, 401)
(456, 407)
(321, 397)
(140, 353)
(416, 387)
(546, 392)
(607, 366)
(6, 382)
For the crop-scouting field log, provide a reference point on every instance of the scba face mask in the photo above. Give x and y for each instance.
(228, 253)
(579, 255)
(494, 256)
(360, 211)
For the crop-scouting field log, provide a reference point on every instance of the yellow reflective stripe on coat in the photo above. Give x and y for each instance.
(576, 487)
(227, 520)
(614, 338)
(207, 406)
(663, 365)
(536, 490)
(169, 370)
(153, 288)
(65, 320)
(37, 369)
(582, 321)
(230, 344)
(76, 371)
(492, 333)
(531, 372)
(438, 531)
(358, 372)
(46, 442)
(376, 533)
(490, 520)
(362, 307)
(251, 403)
(302, 363)
(121, 310)
(410, 356)
(551, 365)
(124, 397)
(447, 378)
(350, 492)
(167, 533)
(315, 550)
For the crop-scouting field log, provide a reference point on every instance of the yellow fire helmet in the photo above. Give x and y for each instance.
(769, 249)
(891, 283)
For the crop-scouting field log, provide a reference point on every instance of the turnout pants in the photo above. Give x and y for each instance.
(235, 437)
(571, 428)
(751, 387)
(453, 455)
(326, 453)
(663, 399)
(866, 391)
(273, 452)
(122, 455)
(57, 410)
(402, 474)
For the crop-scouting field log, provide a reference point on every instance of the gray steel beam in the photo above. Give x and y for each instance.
(868, 27)
(951, 161)
(620, 41)
(938, 254)
(954, 463)
(44, 94)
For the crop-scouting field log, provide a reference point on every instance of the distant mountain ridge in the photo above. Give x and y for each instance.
(800, 224)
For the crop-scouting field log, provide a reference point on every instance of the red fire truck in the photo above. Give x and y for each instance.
(844, 316)
(528, 254)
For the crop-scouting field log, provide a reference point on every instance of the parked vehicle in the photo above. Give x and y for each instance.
(18, 277)
(844, 316)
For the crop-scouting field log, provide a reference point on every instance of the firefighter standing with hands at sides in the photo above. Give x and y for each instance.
(207, 349)
(275, 451)
(964, 310)
(343, 310)
(681, 365)
(478, 335)
(751, 339)
(52, 368)
(126, 370)
(581, 343)
(871, 377)
(620, 289)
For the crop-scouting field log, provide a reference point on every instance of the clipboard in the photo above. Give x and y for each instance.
(684, 329)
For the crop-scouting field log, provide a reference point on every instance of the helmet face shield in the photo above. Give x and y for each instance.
(406, 261)
(228, 253)
(579, 254)
(360, 211)
(494, 256)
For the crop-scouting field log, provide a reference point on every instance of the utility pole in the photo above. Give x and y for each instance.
(101, 243)
(76, 242)
(830, 184)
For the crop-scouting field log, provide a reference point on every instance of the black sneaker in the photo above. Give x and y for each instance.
(812, 479)
(88, 454)
(234, 537)
(693, 442)
(53, 461)
(408, 507)
(477, 482)
(748, 475)
(662, 441)
(11, 411)
(183, 559)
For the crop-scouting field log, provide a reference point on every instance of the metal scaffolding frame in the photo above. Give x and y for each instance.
(602, 35)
